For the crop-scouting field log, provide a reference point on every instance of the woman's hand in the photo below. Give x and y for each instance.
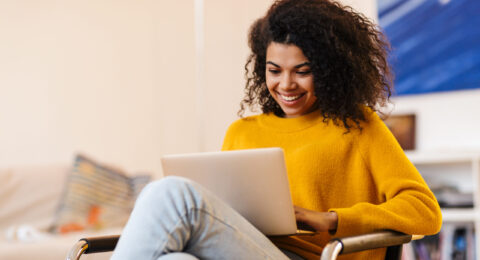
(320, 221)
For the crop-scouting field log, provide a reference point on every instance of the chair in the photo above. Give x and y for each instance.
(390, 239)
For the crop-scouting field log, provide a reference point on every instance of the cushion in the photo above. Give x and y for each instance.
(96, 196)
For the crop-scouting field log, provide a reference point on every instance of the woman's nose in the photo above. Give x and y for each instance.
(287, 82)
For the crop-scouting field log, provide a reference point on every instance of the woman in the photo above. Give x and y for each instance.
(319, 73)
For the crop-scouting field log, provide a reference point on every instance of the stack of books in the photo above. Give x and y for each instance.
(455, 241)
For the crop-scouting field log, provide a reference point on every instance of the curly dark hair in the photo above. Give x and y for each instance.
(346, 51)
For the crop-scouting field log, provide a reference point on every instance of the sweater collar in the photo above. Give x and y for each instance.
(293, 124)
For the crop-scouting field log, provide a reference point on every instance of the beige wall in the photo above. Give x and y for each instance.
(117, 79)
(367, 7)
(102, 77)
(226, 51)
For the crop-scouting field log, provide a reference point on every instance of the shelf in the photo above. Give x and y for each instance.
(442, 157)
(459, 215)
(459, 170)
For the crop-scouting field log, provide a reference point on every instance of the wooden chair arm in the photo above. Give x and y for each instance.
(358, 243)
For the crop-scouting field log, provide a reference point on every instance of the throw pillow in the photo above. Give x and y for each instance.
(96, 197)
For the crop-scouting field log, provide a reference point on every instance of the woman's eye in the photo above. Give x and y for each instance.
(274, 71)
(305, 72)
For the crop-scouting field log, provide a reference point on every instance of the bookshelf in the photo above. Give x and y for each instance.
(459, 171)
(459, 215)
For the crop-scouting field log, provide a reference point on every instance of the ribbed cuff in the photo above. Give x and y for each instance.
(350, 222)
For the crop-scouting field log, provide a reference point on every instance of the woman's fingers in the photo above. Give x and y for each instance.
(320, 221)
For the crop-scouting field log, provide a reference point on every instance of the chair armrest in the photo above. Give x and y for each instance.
(91, 245)
(353, 244)
(331, 251)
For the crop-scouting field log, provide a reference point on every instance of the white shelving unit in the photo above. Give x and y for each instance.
(461, 170)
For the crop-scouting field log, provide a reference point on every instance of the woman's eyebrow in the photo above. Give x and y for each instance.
(296, 66)
(269, 62)
(303, 64)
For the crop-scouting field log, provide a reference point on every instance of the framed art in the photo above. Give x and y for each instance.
(403, 128)
(435, 44)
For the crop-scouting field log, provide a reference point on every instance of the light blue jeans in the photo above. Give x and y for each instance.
(175, 218)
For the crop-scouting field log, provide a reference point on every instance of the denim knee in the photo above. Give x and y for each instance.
(168, 186)
(166, 183)
(178, 256)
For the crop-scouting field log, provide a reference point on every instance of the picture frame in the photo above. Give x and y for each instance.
(403, 127)
(434, 44)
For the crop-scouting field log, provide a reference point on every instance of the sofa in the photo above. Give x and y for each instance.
(29, 200)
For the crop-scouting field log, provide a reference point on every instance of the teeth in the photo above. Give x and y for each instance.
(290, 98)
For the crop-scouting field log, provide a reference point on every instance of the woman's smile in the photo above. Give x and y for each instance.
(290, 97)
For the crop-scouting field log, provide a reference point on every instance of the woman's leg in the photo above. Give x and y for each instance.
(175, 214)
(177, 256)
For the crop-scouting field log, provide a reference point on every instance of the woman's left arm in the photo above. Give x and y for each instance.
(408, 204)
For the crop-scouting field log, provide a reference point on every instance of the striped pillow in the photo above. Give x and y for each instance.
(96, 197)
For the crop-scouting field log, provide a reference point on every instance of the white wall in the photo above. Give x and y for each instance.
(448, 121)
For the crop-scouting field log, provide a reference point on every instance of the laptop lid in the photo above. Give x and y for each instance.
(253, 182)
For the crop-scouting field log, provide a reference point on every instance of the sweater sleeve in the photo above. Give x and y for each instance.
(229, 139)
(408, 204)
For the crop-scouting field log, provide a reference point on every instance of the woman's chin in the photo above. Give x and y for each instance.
(289, 113)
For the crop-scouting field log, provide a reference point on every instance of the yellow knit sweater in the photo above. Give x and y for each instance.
(363, 176)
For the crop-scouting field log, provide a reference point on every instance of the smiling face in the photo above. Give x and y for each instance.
(289, 79)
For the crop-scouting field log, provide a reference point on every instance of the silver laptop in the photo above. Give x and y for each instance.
(254, 182)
